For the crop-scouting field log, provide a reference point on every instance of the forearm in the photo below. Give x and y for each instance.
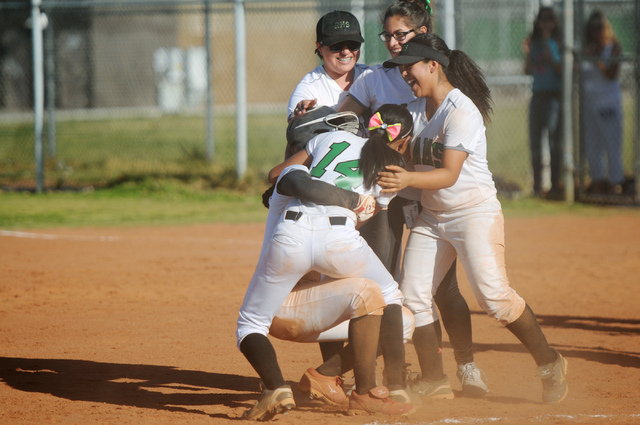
(439, 178)
(299, 184)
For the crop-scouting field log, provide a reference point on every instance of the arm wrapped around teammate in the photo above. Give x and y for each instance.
(299, 184)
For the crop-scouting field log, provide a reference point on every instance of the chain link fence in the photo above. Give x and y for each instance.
(128, 96)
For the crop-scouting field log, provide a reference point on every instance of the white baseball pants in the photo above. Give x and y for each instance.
(476, 236)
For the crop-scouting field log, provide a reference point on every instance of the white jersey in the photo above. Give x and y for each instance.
(379, 85)
(457, 124)
(319, 85)
(336, 158)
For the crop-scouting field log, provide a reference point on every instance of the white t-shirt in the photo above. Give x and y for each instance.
(335, 160)
(319, 85)
(379, 85)
(457, 124)
(599, 89)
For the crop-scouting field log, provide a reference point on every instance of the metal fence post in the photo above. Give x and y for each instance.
(38, 92)
(210, 152)
(636, 172)
(567, 89)
(241, 87)
(50, 70)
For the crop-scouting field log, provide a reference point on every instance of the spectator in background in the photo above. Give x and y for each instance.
(543, 62)
(602, 105)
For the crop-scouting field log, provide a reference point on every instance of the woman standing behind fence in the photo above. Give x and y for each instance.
(544, 62)
(602, 106)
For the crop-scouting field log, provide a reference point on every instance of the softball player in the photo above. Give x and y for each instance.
(378, 85)
(338, 41)
(318, 238)
(461, 213)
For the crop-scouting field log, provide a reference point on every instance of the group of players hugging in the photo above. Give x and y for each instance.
(372, 152)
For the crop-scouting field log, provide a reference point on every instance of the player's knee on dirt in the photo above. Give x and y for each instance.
(363, 298)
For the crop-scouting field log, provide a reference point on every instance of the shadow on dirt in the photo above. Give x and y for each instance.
(153, 387)
(599, 354)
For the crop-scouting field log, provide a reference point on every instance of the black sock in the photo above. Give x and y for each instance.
(258, 350)
(455, 316)
(339, 364)
(427, 340)
(364, 334)
(392, 346)
(527, 329)
(330, 349)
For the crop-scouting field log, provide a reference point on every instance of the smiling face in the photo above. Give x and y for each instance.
(421, 77)
(338, 64)
(396, 25)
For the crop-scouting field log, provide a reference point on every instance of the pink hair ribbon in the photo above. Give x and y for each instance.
(392, 130)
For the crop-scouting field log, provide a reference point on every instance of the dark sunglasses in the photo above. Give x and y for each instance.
(354, 46)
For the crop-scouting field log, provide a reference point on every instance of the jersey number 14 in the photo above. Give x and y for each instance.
(350, 173)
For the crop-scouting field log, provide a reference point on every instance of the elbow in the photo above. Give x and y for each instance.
(273, 176)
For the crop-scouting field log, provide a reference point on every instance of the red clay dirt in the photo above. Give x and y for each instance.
(136, 326)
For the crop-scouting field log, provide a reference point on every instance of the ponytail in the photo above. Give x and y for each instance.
(464, 74)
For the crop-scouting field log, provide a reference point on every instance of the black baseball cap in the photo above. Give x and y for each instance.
(338, 26)
(413, 51)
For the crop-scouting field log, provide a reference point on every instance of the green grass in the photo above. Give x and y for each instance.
(106, 152)
(171, 202)
(149, 203)
(101, 152)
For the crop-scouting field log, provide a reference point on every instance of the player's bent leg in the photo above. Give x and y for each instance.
(314, 308)
(552, 367)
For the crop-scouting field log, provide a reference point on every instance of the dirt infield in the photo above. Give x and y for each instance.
(136, 326)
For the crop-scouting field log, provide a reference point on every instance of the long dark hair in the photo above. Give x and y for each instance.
(376, 153)
(462, 72)
(546, 12)
(416, 13)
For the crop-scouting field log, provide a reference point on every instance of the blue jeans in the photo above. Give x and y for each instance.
(545, 115)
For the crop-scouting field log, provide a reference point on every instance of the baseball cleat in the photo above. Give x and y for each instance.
(473, 380)
(377, 400)
(554, 382)
(437, 390)
(270, 403)
(406, 395)
(327, 389)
